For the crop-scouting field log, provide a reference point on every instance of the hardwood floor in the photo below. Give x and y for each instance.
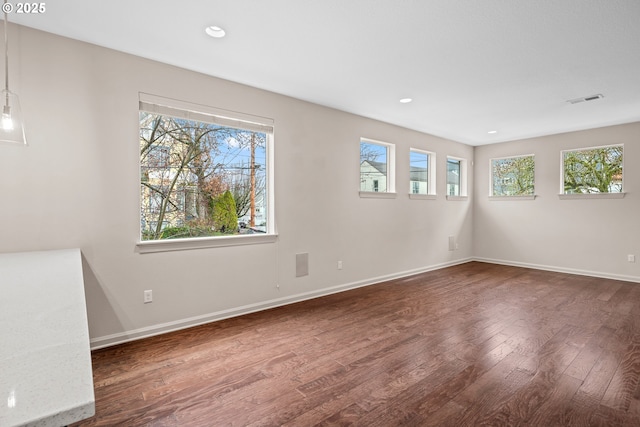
(475, 344)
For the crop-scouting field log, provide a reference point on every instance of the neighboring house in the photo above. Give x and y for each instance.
(157, 177)
(373, 176)
(418, 180)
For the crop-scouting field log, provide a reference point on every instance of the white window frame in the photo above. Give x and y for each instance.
(463, 195)
(492, 195)
(207, 114)
(391, 172)
(431, 178)
(572, 196)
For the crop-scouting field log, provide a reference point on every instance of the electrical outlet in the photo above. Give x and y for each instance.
(148, 296)
(339, 265)
(631, 258)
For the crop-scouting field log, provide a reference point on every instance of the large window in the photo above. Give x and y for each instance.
(421, 172)
(592, 170)
(513, 176)
(456, 177)
(203, 172)
(376, 166)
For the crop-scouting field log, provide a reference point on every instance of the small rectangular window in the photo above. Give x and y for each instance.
(376, 166)
(594, 170)
(513, 176)
(454, 171)
(421, 172)
(456, 178)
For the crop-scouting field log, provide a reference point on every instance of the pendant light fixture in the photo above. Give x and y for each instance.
(11, 125)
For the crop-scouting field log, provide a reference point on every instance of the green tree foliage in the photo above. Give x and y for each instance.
(514, 176)
(225, 218)
(597, 170)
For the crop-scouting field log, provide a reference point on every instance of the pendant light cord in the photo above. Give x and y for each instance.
(6, 53)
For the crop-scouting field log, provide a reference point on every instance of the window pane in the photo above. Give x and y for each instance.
(596, 170)
(373, 167)
(419, 172)
(453, 177)
(200, 179)
(513, 176)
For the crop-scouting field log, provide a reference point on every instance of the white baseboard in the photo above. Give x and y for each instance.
(557, 269)
(149, 331)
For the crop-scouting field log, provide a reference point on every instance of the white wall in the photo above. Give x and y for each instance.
(583, 236)
(76, 185)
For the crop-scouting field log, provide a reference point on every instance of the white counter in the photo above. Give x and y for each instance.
(45, 361)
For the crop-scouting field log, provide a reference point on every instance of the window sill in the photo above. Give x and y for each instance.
(505, 198)
(591, 196)
(153, 246)
(457, 198)
(413, 196)
(377, 195)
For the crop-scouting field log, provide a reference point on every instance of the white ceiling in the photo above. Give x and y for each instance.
(470, 66)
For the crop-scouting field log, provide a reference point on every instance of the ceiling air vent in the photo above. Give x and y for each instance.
(585, 99)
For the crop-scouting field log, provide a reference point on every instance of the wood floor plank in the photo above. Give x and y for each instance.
(492, 397)
(551, 360)
(624, 383)
(589, 355)
(474, 344)
(551, 411)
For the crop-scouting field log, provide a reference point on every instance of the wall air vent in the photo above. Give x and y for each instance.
(586, 98)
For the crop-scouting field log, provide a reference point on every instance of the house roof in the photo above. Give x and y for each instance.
(379, 166)
(418, 174)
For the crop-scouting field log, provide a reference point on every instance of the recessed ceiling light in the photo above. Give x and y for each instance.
(492, 132)
(215, 32)
(405, 100)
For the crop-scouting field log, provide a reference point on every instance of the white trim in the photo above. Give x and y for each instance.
(575, 196)
(414, 196)
(512, 157)
(377, 195)
(512, 198)
(203, 113)
(600, 274)
(168, 245)
(457, 198)
(271, 185)
(374, 141)
(162, 328)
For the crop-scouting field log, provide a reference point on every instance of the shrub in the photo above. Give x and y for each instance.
(223, 212)
(184, 231)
